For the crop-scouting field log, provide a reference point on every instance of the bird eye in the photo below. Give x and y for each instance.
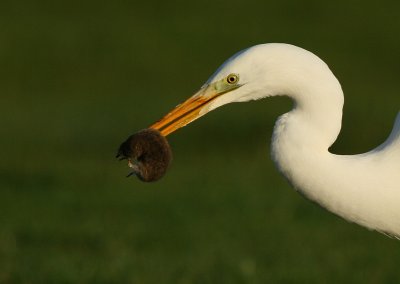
(232, 79)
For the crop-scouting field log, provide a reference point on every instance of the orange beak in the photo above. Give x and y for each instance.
(186, 112)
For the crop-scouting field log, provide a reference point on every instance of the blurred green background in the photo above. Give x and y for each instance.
(77, 77)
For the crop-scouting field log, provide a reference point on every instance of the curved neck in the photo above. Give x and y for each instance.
(315, 121)
(359, 188)
(302, 137)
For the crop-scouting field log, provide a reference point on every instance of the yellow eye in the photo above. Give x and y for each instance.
(232, 79)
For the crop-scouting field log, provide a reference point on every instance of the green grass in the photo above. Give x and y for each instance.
(77, 78)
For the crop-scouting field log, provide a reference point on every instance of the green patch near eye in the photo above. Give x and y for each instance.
(227, 84)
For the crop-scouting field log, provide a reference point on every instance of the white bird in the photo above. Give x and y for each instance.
(364, 188)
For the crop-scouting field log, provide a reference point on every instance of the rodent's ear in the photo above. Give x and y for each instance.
(148, 153)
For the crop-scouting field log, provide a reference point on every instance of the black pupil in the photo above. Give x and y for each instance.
(232, 79)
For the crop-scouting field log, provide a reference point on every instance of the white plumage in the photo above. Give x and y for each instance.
(364, 188)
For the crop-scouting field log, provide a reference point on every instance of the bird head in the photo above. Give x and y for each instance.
(226, 85)
(260, 71)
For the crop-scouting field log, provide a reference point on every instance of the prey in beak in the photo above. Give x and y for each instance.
(148, 152)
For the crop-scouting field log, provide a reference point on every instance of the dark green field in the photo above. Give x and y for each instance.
(77, 77)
